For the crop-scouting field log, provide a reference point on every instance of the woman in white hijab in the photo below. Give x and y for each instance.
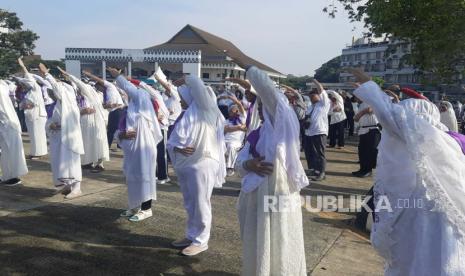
(34, 112)
(12, 161)
(138, 135)
(93, 128)
(64, 131)
(448, 116)
(272, 238)
(196, 147)
(419, 190)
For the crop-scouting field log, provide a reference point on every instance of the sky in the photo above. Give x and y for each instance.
(292, 36)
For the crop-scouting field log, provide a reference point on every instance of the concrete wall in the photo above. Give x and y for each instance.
(73, 67)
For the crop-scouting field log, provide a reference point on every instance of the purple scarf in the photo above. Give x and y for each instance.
(252, 138)
(122, 121)
(235, 121)
(460, 138)
(249, 113)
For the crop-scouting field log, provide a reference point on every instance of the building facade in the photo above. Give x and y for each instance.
(190, 51)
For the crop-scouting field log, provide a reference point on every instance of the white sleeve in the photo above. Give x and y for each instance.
(265, 88)
(242, 156)
(381, 104)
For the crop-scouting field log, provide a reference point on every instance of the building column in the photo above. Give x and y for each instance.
(104, 70)
(129, 69)
(156, 66)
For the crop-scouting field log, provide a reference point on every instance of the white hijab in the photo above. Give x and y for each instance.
(279, 135)
(70, 117)
(439, 160)
(6, 107)
(448, 117)
(190, 130)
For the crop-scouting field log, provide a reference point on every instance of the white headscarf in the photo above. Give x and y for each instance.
(439, 160)
(280, 133)
(6, 107)
(191, 130)
(448, 117)
(70, 117)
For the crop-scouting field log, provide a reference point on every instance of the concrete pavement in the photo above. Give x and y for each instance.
(43, 234)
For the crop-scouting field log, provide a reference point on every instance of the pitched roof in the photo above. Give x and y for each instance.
(204, 40)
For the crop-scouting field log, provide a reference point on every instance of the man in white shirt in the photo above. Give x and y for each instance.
(316, 132)
(369, 137)
(337, 120)
(112, 101)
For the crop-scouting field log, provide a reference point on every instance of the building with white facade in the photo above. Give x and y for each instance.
(190, 51)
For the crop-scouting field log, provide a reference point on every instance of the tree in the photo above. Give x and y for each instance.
(296, 82)
(436, 29)
(14, 42)
(329, 71)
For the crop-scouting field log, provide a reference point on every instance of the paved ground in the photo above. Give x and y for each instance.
(43, 234)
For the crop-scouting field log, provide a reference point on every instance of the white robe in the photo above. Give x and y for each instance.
(66, 144)
(12, 161)
(272, 242)
(35, 117)
(201, 127)
(418, 163)
(93, 127)
(234, 141)
(140, 154)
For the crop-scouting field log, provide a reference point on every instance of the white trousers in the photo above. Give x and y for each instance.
(197, 183)
(232, 149)
(12, 159)
(36, 131)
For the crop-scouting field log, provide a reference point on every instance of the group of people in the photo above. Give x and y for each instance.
(258, 132)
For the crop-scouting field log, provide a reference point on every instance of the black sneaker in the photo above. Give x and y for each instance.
(356, 173)
(363, 174)
(97, 169)
(11, 182)
(87, 167)
(320, 177)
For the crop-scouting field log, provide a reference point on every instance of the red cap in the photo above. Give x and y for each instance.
(413, 94)
(135, 82)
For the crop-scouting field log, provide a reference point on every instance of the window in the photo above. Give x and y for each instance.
(205, 75)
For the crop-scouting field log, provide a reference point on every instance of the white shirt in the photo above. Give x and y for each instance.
(337, 116)
(367, 121)
(235, 136)
(112, 95)
(173, 103)
(319, 116)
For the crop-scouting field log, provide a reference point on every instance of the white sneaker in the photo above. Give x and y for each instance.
(73, 194)
(129, 213)
(141, 215)
(164, 181)
(193, 249)
(230, 172)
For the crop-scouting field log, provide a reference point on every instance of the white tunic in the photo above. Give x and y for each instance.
(66, 144)
(417, 162)
(93, 127)
(12, 161)
(140, 154)
(36, 117)
(272, 242)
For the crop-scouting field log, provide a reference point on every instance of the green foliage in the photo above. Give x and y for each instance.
(296, 82)
(329, 72)
(14, 43)
(436, 28)
(378, 80)
(51, 64)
